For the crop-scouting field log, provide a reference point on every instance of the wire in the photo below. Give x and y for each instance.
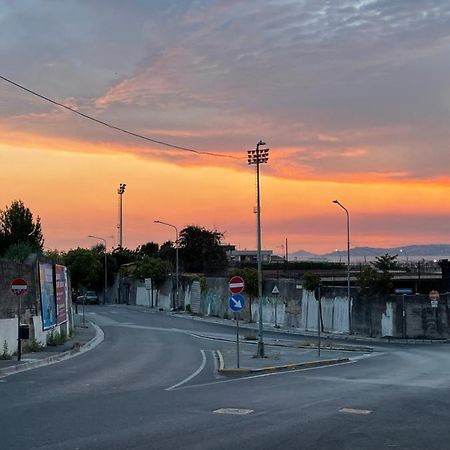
(114, 127)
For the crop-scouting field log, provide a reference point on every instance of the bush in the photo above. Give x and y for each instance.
(5, 354)
(34, 346)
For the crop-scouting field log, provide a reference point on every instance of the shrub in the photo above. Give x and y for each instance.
(5, 354)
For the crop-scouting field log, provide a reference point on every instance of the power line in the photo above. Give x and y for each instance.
(114, 127)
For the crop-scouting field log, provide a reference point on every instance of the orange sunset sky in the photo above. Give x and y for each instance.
(352, 98)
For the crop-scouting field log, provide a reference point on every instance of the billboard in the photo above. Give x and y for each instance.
(48, 300)
(62, 294)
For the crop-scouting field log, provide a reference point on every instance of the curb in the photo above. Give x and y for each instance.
(305, 346)
(63, 356)
(286, 367)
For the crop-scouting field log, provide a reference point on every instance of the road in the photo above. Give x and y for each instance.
(152, 384)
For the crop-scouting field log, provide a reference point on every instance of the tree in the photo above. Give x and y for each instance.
(149, 249)
(123, 255)
(250, 277)
(86, 270)
(155, 268)
(311, 282)
(201, 249)
(17, 226)
(386, 262)
(377, 279)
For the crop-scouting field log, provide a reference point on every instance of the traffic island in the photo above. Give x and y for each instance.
(278, 359)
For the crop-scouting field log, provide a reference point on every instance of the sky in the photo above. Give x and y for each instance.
(351, 97)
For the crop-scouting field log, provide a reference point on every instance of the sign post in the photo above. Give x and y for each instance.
(19, 287)
(236, 304)
(275, 292)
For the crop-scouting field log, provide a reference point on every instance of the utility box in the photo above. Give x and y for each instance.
(24, 331)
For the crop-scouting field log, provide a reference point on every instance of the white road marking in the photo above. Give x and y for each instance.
(362, 412)
(202, 366)
(234, 380)
(233, 411)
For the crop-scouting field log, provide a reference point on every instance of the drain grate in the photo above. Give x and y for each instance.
(233, 411)
(362, 412)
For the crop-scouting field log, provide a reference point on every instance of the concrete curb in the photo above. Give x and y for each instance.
(286, 367)
(63, 356)
(304, 346)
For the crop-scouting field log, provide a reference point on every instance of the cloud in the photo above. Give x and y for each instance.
(357, 88)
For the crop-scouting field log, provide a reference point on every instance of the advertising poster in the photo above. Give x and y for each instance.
(47, 291)
(61, 286)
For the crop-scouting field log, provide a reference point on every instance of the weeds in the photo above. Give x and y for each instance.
(5, 354)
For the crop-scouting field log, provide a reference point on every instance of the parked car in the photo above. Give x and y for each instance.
(90, 297)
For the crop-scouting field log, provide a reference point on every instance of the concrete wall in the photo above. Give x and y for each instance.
(8, 335)
(371, 316)
(334, 306)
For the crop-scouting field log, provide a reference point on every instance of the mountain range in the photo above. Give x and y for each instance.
(425, 251)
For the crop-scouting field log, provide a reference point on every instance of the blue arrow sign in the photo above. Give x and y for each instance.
(236, 302)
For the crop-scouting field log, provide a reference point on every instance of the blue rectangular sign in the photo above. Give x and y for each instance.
(403, 291)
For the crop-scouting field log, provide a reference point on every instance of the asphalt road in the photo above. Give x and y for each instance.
(152, 384)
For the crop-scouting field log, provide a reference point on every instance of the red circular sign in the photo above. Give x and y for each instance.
(236, 285)
(19, 286)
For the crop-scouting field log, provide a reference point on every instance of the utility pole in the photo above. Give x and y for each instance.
(257, 157)
(120, 191)
(176, 302)
(348, 266)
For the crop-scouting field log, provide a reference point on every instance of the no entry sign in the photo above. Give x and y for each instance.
(236, 285)
(19, 286)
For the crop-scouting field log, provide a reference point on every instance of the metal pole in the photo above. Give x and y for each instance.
(19, 341)
(120, 219)
(237, 339)
(318, 324)
(348, 266)
(276, 307)
(348, 275)
(258, 157)
(176, 270)
(260, 351)
(176, 302)
(120, 191)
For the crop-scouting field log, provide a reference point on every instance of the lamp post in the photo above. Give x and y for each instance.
(257, 157)
(106, 264)
(176, 303)
(348, 266)
(120, 191)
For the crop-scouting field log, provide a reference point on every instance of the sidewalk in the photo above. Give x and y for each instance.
(280, 354)
(84, 338)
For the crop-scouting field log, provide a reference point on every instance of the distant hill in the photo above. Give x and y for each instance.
(427, 251)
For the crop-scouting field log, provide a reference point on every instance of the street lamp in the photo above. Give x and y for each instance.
(106, 264)
(120, 191)
(176, 303)
(257, 157)
(348, 266)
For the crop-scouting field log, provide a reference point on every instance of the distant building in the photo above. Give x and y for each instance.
(249, 256)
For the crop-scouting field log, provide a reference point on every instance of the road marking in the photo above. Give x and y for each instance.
(233, 411)
(362, 412)
(234, 380)
(202, 366)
